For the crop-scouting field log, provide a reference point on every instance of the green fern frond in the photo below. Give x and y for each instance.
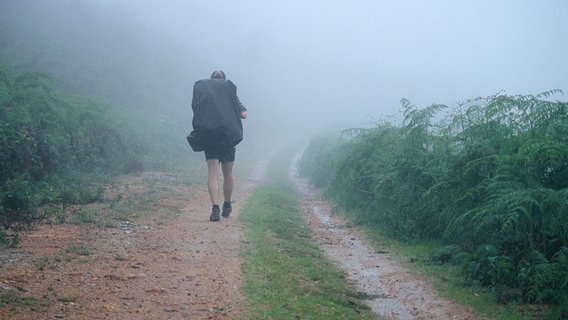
(549, 93)
(482, 166)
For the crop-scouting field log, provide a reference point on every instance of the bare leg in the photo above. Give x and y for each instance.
(212, 172)
(227, 180)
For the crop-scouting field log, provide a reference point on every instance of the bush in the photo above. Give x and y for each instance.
(55, 148)
(316, 163)
(489, 178)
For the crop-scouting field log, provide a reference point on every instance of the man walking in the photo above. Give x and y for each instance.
(217, 129)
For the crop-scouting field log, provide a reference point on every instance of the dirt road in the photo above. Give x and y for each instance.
(393, 291)
(185, 267)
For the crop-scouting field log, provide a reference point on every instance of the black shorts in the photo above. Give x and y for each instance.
(223, 154)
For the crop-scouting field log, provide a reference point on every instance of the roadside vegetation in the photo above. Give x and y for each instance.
(286, 274)
(57, 150)
(80, 106)
(486, 182)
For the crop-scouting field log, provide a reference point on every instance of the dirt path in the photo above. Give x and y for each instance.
(183, 267)
(186, 267)
(394, 292)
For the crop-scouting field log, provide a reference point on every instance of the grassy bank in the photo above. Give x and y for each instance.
(449, 282)
(286, 274)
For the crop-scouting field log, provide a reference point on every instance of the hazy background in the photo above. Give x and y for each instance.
(297, 64)
(356, 59)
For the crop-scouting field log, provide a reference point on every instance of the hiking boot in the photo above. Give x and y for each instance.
(227, 208)
(215, 213)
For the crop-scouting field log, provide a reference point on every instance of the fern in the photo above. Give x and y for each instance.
(490, 178)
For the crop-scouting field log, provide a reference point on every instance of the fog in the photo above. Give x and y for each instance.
(332, 60)
(314, 64)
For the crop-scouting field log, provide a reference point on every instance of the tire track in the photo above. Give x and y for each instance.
(392, 291)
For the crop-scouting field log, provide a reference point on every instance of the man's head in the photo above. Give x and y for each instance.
(218, 74)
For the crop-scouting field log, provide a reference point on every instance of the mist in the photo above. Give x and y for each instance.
(300, 66)
(315, 62)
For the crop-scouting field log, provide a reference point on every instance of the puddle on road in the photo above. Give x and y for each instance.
(325, 219)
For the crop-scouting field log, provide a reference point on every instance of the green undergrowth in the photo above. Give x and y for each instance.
(488, 179)
(448, 280)
(286, 274)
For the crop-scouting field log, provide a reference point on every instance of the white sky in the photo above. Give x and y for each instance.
(355, 60)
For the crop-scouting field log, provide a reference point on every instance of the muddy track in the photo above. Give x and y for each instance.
(393, 291)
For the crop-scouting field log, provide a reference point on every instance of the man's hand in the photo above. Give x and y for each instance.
(244, 115)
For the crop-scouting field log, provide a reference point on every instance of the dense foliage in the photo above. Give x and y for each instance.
(53, 147)
(489, 178)
(96, 53)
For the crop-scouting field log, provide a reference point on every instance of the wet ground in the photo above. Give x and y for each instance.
(185, 267)
(392, 290)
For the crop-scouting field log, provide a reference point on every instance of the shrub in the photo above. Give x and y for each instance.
(55, 148)
(489, 178)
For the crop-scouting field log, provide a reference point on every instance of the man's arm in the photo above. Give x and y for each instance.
(242, 108)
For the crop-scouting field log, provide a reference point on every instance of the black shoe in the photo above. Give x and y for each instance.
(227, 208)
(215, 213)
